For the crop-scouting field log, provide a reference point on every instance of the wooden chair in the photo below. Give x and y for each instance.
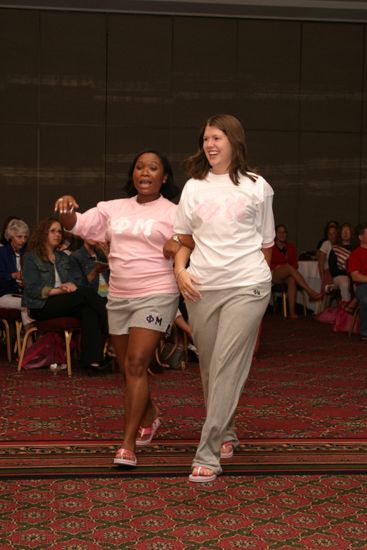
(62, 325)
(281, 289)
(11, 317)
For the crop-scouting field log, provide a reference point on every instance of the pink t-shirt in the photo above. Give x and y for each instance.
(136, 233)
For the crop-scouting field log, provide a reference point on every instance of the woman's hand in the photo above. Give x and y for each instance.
(66, 204)
(185, 283)
(65, 207)
(66, 288)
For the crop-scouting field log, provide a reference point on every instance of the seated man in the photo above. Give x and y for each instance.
(284, 268)
(357, 267)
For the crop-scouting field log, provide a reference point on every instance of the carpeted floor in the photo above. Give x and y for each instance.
(258, 513)
(303, 408)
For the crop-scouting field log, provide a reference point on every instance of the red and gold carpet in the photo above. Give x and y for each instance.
(303, 409)
(255, 512)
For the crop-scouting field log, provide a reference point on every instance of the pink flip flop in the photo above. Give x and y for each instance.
(226, 450)
(145, 435)
(202, 474)
(125, 457)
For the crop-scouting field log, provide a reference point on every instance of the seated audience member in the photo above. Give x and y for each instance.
(11, 284)
(284, 268)
(338, 259)
(91, 258)
(53, 287)
(323, 257)
(70, 243)
(3, 239)
(357, 267)
(329, 224)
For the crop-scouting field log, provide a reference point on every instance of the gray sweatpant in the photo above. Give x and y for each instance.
(225, 325)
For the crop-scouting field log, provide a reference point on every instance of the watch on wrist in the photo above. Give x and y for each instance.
(177, 239)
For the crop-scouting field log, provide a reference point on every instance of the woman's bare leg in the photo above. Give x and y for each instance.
(281, 274)
(292, 293)
(139, 407)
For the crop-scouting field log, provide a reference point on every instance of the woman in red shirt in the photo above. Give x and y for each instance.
(284, 268)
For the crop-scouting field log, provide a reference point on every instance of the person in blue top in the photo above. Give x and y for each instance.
(11, 279)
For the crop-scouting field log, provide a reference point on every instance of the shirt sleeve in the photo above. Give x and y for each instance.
(92, 224)
(182, 224)
(265, 217)
(326, 247)
(354, 263)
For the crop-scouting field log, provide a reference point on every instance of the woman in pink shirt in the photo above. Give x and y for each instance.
(143, 295)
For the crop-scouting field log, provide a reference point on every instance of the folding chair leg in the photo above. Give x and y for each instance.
(68, 336)
(18, 331)
(24, 346)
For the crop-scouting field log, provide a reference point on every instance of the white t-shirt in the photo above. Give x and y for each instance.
(229, 224)
(326, 248)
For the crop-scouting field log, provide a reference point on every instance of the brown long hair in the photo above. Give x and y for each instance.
(197, 165)
(39, 236)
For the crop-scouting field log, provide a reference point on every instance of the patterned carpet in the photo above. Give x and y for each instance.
(303, 409)
(258, 513)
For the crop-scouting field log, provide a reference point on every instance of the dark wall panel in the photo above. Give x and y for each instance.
(18, 172)
(139, 71)
(203, 69)
(330, 176)
(268, 74)
(81, 93)
(19, 62)
(362, 198)
(73, 68)
(275, 156)
(72, 162)
(332, 77)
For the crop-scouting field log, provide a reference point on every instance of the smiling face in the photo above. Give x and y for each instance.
(54, 235)
(148, 177)
(217, 149)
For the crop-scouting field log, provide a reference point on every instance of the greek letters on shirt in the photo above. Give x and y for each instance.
(232, 209)
(141, 225)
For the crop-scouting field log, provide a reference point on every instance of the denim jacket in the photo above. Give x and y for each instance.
(39, 277)
(86, 263)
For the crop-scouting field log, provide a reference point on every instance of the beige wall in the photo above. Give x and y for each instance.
(81, 93)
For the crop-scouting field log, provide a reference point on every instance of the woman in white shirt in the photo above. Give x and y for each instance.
(227, 210)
